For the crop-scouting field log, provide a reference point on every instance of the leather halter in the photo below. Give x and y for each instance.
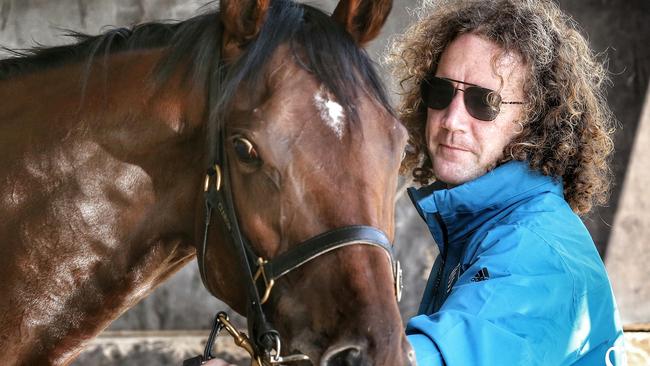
(218, 196)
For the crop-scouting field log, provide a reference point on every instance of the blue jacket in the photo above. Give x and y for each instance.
(519, 280)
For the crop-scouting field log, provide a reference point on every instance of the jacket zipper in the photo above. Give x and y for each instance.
(444, 258)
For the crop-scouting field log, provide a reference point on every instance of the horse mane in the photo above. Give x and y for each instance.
(319, 44)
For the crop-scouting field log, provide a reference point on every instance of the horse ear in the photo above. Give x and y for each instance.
(242, 20)
(363, 19)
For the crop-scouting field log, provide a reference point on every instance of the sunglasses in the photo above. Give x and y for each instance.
(481, 103)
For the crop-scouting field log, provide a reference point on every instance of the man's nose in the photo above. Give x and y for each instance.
(455, 116)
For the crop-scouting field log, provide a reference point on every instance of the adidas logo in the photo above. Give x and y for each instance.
(481, 275)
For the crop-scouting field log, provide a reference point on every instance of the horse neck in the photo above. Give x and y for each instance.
(103, 193)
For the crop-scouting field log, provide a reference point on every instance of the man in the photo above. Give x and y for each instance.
(504, 105)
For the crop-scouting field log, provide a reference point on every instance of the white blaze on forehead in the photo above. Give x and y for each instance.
(331, 112)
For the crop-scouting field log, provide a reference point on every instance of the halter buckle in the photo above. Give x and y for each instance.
(216, 171)
(268, 284)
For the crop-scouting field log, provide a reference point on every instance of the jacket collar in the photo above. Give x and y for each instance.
(466, 207)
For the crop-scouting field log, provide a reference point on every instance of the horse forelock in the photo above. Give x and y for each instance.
(319, 45)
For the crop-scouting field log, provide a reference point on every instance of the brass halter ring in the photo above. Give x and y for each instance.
(268, 284)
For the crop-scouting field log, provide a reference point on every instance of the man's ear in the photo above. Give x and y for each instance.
(242, 21)
(363, 19)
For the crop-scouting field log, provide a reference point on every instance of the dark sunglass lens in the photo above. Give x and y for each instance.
(437, 93)
(481, 103)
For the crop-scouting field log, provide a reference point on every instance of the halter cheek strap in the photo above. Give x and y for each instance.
(219, 197)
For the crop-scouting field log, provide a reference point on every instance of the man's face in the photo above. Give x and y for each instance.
(462, 147)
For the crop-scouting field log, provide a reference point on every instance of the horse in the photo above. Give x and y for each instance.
(107, 154)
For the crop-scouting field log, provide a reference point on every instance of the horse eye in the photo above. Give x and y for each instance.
(245, 151)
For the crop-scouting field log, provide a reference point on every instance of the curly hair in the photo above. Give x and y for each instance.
(567, 124)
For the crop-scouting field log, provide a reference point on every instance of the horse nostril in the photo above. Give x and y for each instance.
(350, 356)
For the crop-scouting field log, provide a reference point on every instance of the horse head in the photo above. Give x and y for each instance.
(312, 146)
